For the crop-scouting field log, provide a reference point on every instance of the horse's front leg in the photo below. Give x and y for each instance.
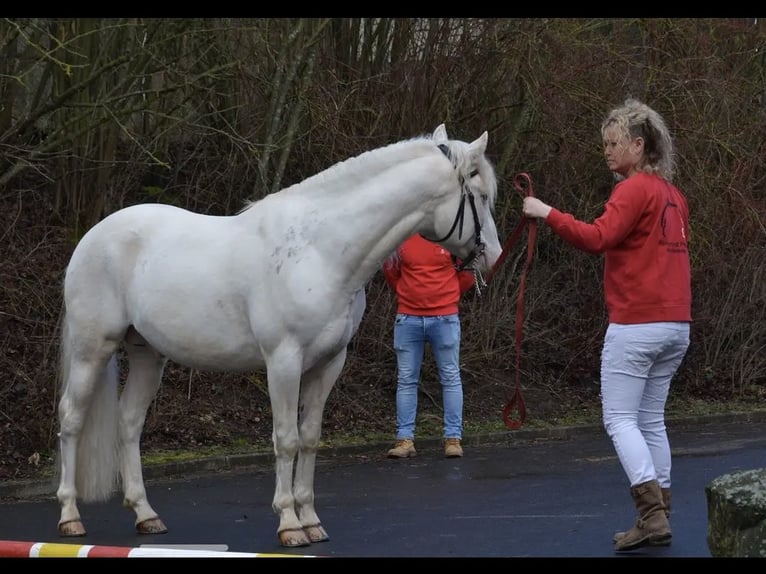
(146, 368)
(283, 373)
(315, 389)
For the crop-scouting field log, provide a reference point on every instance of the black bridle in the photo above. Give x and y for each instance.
(479, 245)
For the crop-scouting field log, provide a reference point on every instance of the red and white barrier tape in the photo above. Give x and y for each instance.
(20, 549)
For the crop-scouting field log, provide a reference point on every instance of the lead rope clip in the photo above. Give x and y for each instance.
(478, 281)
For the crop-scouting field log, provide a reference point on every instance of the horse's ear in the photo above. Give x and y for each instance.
(479, 145)
(440, 134)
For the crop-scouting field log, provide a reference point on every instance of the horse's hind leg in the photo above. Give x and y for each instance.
(87, 434)
(315, 389)
(146, 367)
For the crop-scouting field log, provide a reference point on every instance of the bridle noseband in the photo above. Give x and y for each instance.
(479, 245)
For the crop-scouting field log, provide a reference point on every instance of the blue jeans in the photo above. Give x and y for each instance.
(637, 365)
(442, 333)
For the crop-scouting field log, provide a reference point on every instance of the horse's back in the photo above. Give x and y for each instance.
(132, 226)
(124, 230)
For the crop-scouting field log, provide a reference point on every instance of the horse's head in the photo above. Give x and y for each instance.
(465, 226)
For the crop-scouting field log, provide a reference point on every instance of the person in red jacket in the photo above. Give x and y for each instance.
(643, 234)
(428, 288)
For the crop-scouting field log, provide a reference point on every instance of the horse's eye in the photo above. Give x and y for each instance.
(474, 173)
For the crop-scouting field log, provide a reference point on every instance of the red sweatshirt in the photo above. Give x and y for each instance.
(424, 278)
(644, 233)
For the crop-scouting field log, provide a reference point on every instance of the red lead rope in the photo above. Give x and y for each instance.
(515, 401)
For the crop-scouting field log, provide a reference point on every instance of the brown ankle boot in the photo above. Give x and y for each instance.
(666, 502)
(652, 527)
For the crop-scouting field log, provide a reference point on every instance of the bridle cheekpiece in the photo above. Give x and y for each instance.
(479, 245)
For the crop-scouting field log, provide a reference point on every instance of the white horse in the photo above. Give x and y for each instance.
(278, 286)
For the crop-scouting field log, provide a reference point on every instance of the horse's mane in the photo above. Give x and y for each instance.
(372, 162)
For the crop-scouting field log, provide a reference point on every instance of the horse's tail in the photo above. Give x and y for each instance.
(98, 448)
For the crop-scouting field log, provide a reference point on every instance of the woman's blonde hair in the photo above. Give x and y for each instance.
(636, 119)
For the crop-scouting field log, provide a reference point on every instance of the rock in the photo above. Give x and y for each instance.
(736, 505)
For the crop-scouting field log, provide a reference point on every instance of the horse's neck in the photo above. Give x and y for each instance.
(374, 228)
(361, 222)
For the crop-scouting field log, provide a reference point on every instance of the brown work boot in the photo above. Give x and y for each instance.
(652, 527)
(452, 448)
(666, 502)
(404, 448)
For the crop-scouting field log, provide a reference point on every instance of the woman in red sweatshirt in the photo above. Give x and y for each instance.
(643, 234)
(428, 288)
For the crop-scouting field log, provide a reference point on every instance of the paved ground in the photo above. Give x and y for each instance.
(525, 493)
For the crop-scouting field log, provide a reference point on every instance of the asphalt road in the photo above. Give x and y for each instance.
(521, 494)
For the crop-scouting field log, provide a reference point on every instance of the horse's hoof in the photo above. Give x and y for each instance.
(71, 528)
(151, 526)
(293, 538)
(316, 533)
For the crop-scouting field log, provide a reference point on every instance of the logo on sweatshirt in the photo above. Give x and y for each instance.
(673, 228)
